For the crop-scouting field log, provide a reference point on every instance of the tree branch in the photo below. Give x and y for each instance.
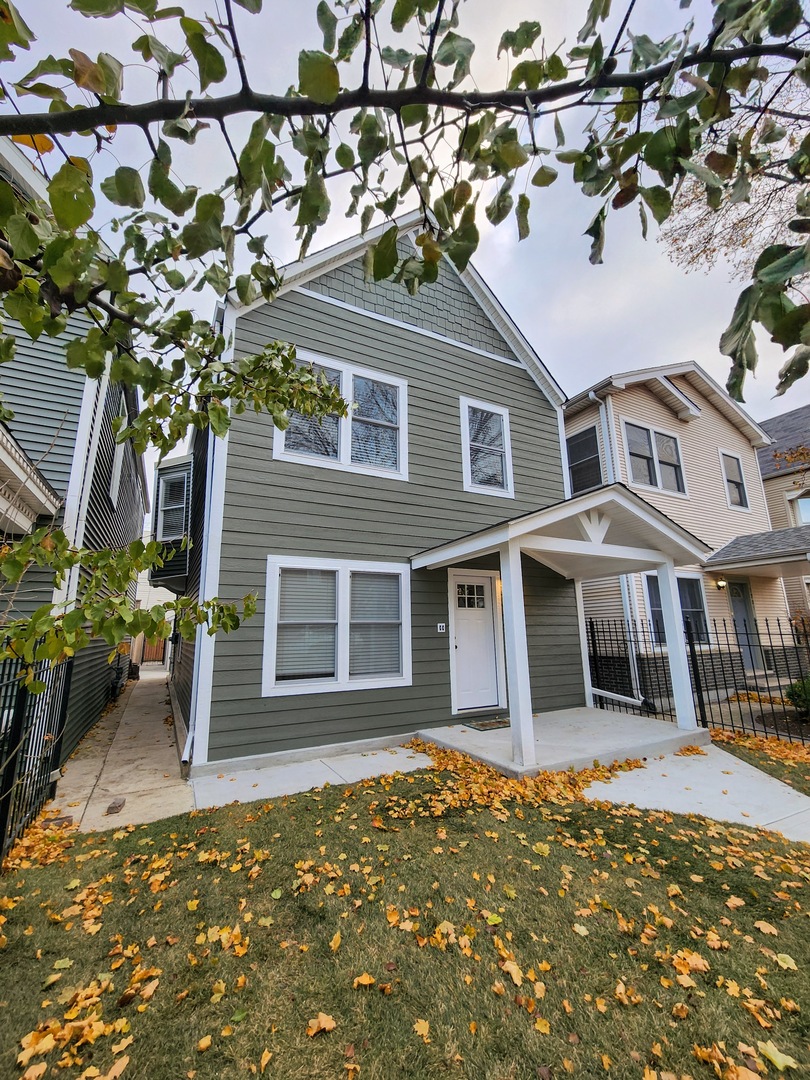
(237, 52)
(150, 112)
(434, 33)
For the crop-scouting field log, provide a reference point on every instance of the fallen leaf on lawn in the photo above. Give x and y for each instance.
(121, 1046)
(473, 1027)
(542, 1026)
(321, 1022)
(33, 1072)
(498, 988)
(606, 1062)
(265, 1059)
(766, 928)
(734, 902)
(581, 930)
(680, 1010)
(192, 905)
(116, 1070)
(364, 980)
(776, 1057)
(204, 1043)
(352, 1069)
(511, 969)
(785, 961)
(334, 944)
(63, 965)
(422, 1028)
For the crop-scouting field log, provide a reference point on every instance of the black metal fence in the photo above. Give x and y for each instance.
(31, 729)
(745, 677)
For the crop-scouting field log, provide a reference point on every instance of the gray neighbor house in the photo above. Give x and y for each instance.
(60, 465)
(417, 563)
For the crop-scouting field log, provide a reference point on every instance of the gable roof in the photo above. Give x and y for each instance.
(777, 553)
(298, 273)
(789, 430)
(659, 381)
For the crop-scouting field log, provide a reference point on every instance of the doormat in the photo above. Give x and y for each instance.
(487, 725)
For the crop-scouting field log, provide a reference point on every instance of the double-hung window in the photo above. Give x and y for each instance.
(171, 509)
(735, 481)
(486, 448)
(584, 467)
(802, 510)
(654, 458)
(693, 607)
(118, 455)
(372, 438)
(335, 625)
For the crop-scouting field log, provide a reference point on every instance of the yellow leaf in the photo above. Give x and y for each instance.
(364, 980)
(204, 1043)
(568, 1065)
(542, 1026)
(581, 930)
(334, 944)
(473, 1027)
(513, 971)
(192, 905)
(265, 1059)
(422, 1028)
(33, 1072)
(321, 1022)
(734, 902)
(498, 988)
(776, 1057)
(606, 1062)
(785, 961)
(766, 928)
(226, 1031)
(117, 1048)
(43, 145)
(117, 1069)
(680, 1010)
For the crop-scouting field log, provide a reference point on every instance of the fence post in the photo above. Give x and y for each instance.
(696, 682)
(61, 723)
(594, 653)
(10, 765)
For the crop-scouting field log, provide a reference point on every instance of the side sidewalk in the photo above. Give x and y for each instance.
(131, 755)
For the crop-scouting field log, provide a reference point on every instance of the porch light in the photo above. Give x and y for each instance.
(721, 583)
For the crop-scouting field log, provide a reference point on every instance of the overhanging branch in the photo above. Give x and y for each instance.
(248, 101)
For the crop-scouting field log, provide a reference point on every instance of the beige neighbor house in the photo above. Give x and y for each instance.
(787, 490)
(676, 438)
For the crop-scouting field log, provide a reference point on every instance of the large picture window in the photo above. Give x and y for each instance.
(584, 467)
(372, 438)
(693, 607)
(336, 625)
(486, 448)
(654, 458)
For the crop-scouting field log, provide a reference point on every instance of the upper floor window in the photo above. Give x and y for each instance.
(118, 455)
(335, 625)
(486, 448)
(372, 438)
(583, 461)
(735, 482)
(693, 607)
(654, 458)
(802, 505)
(171, 509)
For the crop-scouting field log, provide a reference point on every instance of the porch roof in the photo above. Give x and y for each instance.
(598, 534)
(773, 554)
(24, 492)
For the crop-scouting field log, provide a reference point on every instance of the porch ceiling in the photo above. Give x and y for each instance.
(601, 533)
(24, 493)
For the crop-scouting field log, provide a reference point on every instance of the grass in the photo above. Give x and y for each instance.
(506, 936)
(788, 762)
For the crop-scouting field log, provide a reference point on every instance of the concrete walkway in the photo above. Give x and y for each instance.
(715, 784)
(130, 754)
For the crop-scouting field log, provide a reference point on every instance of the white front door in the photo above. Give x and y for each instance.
(476, 642)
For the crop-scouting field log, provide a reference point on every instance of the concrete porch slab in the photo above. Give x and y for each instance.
(570, 739)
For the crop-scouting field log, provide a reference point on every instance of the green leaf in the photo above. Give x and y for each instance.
(210, 61)
(522, 215)
(204, 234)
(659, 201)
(71, 197)
(385, 254)
(795, 368)
(253, 6)
(313, 206)
(788, 330)
(125, 187)
(545, 176)
(596, 230)
(454, 49)
(351, 38)
(413, 114)
(344, 155)
(501, 206)
(219, 418)
(517, 41)
(318, 76)
(327, 24)
(793, 264)
(736, 334)
(22, 236)
(404, 11)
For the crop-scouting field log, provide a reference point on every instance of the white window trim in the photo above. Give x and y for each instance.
(792, 499)
(343, 568)
(625, 420)
(466, 403)
(118, 456)
(454, 575)
(159, 532)
(695, 575)
(733, 454)
(343, 461)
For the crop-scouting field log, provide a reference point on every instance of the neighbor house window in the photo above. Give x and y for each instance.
(583, 461)
(735, 482)
(654, 458)
(118, 456)
(372, 438)
(693, 607)
(335, 625)
(171, 507)
(802, 505)
(486, 448)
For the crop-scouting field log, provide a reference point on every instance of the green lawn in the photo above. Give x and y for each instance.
(496, 936)
(789, 762)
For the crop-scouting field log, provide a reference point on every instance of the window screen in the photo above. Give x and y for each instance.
(375, 628)
(172, 509)
(487, 448)
(583, 461)
(306, 643)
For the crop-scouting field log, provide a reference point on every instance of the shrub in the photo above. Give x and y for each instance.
(798, 694)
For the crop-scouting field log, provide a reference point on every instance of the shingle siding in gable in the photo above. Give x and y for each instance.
(445, 307)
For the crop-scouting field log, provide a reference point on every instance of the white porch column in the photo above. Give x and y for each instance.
(517, 656)
(676, 646)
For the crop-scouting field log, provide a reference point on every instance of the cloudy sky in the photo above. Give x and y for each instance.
(637, 309)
